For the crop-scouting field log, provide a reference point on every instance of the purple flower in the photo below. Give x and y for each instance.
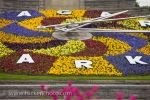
(133, 41)
(21, 31)
(126, 68)
(13, 15)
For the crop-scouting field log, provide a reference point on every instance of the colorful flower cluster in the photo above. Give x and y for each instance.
(42, 63)
(14, 15)
(133, 24)
(133, 41)
(115, 47)
(93, 48)
(21, 31)
(33, 24)
(78, 93)
(123, 65)
(66, 65)
(53, 13)
(10, 38)
(70, 47)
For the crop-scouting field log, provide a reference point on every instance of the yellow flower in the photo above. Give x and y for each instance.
(49, 13)
(33, 24)
(66, 65)
(133, 24)
(78, 13)
(4, 22)
(10, 38)
(145, 50)
(70, 47)
(4, 50)
(115, 47)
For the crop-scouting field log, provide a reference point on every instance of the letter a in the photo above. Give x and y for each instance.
(24, 13)
(83, 63)
(25, 58)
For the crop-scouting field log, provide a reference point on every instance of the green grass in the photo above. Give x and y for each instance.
(5, 76)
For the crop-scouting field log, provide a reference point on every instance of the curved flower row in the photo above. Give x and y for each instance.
(21, 31)
(10, 38)
(115, 47)
(13, 15)
(4, 22)
(66, 65)
(31, 46)
(134, 42)
(133, 24)
(4, 51)
(93, 48)
(70, 47)
(53, 20)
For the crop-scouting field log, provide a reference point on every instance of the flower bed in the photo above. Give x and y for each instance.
(20, 46)
(133, 41)
(48, 13)
(65, 66)
(53, 13)
(13, 15)
(93, 48)
(21, 31)
(78, 13)
(33, 24)
(126, 68)
(133, 24)
(10, 38)
(70, 47)
(115, 47)
(42, 64)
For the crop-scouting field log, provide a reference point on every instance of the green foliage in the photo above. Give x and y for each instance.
(6, 76)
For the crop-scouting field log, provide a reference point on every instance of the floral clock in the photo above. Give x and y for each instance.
(106, 51)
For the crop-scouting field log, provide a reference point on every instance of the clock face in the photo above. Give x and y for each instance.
(26, 49)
